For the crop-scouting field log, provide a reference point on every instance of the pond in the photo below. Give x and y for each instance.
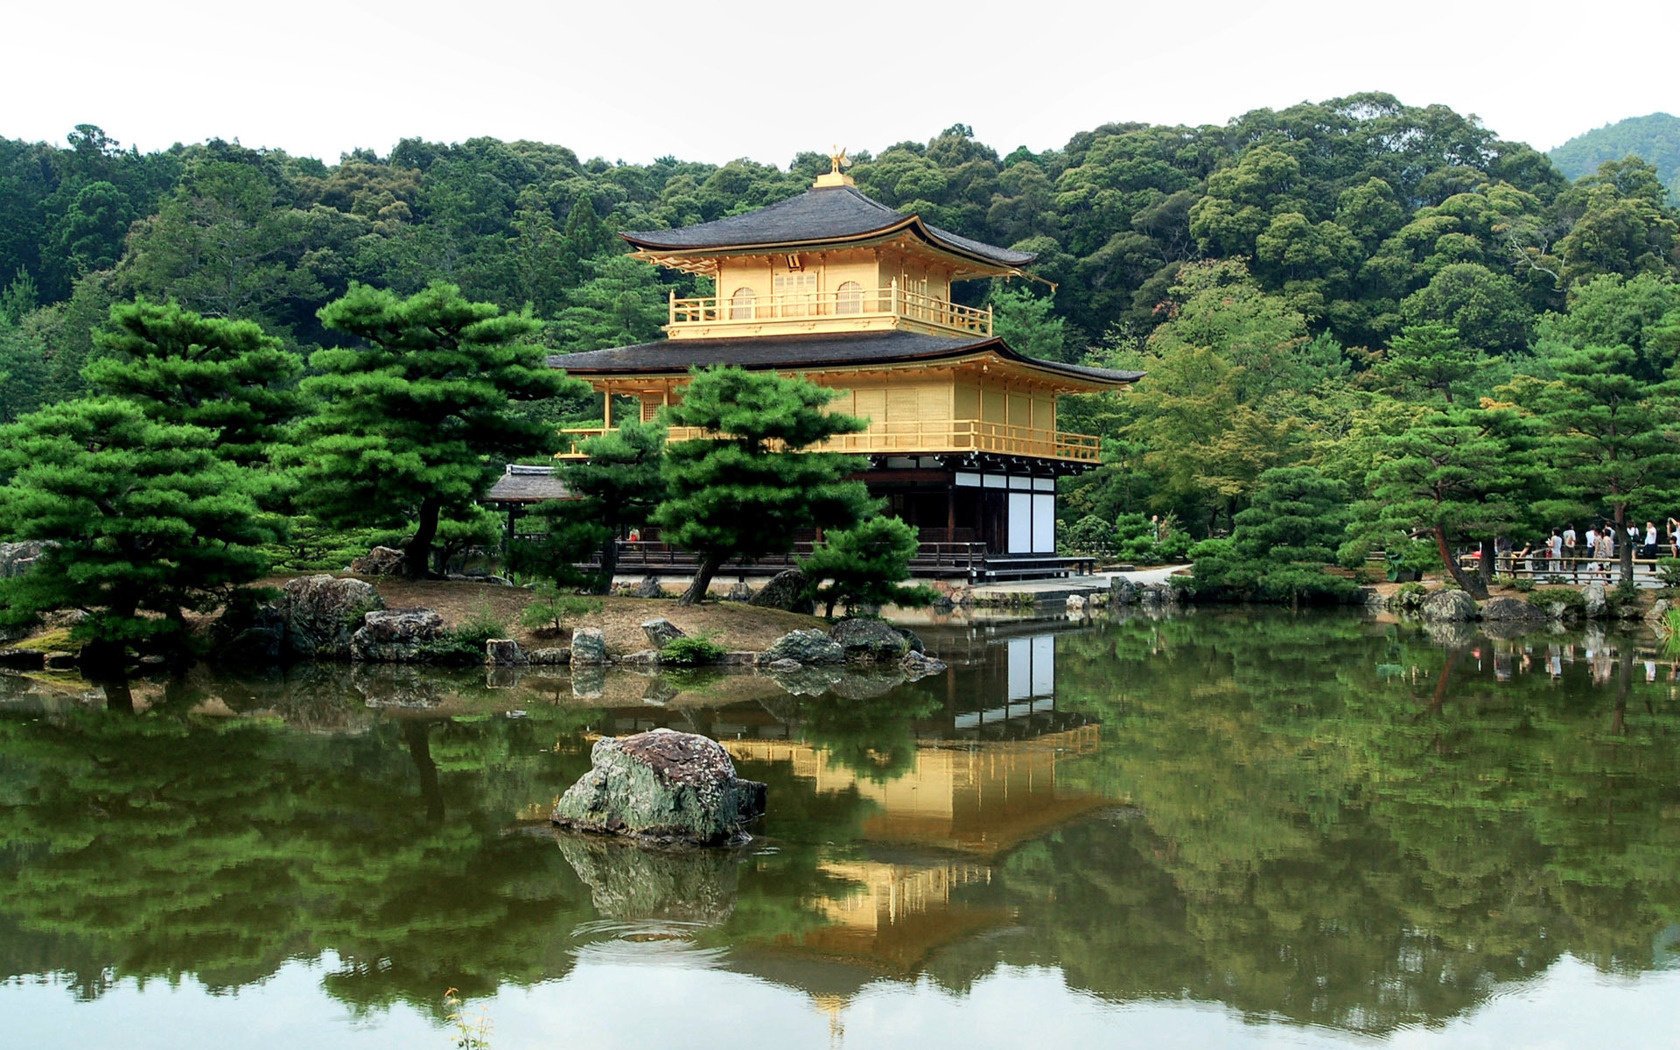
(1224, 828)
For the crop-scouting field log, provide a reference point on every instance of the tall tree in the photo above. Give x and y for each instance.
(620, 484)
(1610, 433)
(1455, 473)
(181, 367)
(145, 518)
(417, 422)
(749, 486)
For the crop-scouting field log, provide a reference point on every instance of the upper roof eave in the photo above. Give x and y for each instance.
(821, 216)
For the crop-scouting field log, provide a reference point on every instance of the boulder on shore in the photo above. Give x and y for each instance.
(660, 631)
(804, 647)
(786, 590)
(1593, 594)
(661, 787)
(589, 647)
(867, 640)
(1514, 612)
(1448, 607)
(380, 561)
(504, 652)
(322, 612)
(649, 587)
(397, 636)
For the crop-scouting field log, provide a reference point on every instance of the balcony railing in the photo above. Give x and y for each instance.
(833, 307)
(920, 437)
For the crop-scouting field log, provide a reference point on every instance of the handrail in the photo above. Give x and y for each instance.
(859, 302)
(924, 436)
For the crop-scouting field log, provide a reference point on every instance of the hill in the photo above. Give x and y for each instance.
(1654, 138)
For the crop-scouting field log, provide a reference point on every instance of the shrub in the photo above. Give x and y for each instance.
(691, 652)
(1668, 571)
(551, 607)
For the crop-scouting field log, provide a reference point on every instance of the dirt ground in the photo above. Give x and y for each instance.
(732, 625)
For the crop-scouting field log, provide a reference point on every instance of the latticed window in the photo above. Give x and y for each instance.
(848, 298)
(797, 293)
(742, 304)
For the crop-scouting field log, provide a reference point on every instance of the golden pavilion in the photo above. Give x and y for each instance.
(962, 441)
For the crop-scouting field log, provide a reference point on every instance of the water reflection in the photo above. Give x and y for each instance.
(1319, 821)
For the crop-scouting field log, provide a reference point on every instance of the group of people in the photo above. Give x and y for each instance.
(1565, 550)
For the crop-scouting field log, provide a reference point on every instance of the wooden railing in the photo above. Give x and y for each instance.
(913, 437)
(858, 302)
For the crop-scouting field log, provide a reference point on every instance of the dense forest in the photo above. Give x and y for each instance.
(1313, 286)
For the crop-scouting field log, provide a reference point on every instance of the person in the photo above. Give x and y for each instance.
(1605, 553)
(1569, 538)
(1650, 539)
(635, 535)
(1519, 559)
(1555, 546)
(1674, 537)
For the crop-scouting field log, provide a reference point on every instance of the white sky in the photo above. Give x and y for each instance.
(633, 79)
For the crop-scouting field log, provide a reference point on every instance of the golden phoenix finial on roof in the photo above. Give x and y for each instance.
(838, 159)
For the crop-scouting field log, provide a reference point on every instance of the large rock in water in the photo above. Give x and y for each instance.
(322, 612)
(1448, 607)
(397, 636)
(867, 640)
(786, 590)
(663, 787)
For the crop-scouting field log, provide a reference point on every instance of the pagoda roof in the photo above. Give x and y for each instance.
(822, 215)
(521, 483)
(813, 352)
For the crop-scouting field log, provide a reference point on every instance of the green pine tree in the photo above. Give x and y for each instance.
(417, 422)
(145, 516)
(748, 488)
(866, 566)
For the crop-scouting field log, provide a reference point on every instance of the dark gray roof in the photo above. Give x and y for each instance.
(806, 352)
(817, 216)
(523, 484)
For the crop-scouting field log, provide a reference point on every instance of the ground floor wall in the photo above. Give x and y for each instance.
(1009, 512)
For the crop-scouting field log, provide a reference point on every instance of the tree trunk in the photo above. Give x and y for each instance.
(1470, 583)
(703, 574)
(417, 735)
(609, 564)
(1486, 567)
(1624, 544)
(417, 554)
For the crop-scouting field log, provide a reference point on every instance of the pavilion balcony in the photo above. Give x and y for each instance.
(922, 437)
(846, 310)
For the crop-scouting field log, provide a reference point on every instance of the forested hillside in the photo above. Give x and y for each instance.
(1291, 280)
(1654, 139)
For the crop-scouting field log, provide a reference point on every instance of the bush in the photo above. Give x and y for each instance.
(1668, 570)
(551, 607)
(465, 644)
(691, 652)
(1089, 535)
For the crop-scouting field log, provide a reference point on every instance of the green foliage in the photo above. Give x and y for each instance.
(1281, 544)
(551, 607)
(1654, 139)
(146, 518)
(691, 652)
(745, 489)
(866, 565)
(1668, 571)
(620, 483)
(417, 422)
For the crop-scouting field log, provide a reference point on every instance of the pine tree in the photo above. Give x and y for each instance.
(1281, 542)
(1457, 473)
(747, 489)
(179, 367)
(144, 516)
(619, 484)
(866, 566)
(1610, 434)
(418, 422)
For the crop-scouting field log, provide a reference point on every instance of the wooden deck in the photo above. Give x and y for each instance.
(1570, 570)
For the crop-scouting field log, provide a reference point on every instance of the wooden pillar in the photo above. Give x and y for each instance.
(951, 513)
(606, 407)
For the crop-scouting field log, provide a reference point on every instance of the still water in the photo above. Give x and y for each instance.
(1220, 829)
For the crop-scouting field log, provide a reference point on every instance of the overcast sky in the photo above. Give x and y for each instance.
(631, 80)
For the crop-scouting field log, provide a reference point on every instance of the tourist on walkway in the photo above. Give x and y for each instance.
(1650, 539)
(1554, 545)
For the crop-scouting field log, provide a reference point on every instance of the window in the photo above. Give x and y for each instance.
(741, 304)
(849, 298)
(796, 292)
